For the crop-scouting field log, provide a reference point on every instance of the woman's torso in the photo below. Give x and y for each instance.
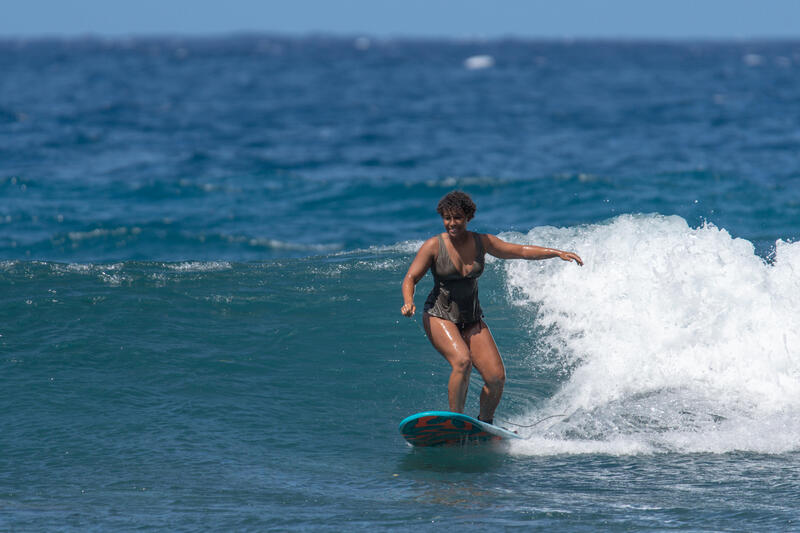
(454, 295)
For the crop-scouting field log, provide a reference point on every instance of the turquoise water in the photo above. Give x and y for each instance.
(201, 249)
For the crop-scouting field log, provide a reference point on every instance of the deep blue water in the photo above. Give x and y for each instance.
(201, 249)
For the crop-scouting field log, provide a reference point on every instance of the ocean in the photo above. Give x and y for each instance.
(202, 242)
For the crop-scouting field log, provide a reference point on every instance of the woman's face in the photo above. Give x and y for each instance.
(455, 223)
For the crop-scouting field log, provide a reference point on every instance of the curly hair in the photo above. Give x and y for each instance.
(456, 201)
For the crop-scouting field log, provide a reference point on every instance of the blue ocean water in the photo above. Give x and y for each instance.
(201, 249)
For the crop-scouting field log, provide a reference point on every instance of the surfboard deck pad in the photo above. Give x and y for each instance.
(439, 428)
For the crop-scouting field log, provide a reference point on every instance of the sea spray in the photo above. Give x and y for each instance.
(677, 338)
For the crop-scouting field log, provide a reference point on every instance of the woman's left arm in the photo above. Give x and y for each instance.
(508, 250)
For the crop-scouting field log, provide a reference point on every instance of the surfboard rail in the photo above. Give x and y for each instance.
(436, 428)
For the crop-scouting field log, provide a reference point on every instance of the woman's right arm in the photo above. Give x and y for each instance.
(419, 266)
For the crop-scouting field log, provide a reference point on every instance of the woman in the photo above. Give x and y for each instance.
(452, 315)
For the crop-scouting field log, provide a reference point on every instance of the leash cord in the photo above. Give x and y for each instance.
(535, 423)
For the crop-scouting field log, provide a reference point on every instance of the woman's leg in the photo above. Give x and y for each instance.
(447, 340)
(486, 358)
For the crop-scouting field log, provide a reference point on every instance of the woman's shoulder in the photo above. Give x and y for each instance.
(482, 237)
(431, 244)
(489, 242)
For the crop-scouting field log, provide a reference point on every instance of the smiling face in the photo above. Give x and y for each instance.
(456, 209)
(455, 223)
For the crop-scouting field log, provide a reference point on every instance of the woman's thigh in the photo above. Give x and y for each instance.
(447, 339)
(484, 353)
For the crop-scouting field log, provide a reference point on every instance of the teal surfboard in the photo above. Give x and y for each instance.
(436, 428)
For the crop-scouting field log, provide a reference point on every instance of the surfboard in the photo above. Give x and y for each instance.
(436, 428)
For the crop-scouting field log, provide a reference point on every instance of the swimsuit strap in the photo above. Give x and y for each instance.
(479, 251)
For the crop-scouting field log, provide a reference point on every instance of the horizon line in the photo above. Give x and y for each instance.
(378, 38)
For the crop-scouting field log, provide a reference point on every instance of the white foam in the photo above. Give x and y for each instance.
(102, 233)
(285, 245)
(676, 338)
(479, 62)
(752, 60)
(405, 247)
(199, 266)
(8, 265)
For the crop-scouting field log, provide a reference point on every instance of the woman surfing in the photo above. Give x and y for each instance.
(452, 314)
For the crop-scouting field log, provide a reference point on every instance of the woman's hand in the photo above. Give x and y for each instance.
(408, 309)
(569, 256)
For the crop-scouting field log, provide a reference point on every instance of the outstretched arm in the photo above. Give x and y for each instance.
(419, 266)
(507, 250)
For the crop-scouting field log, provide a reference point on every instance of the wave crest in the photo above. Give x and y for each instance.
(666, 319)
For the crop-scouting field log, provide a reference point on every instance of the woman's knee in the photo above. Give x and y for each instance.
(496, 380)
(461, 363)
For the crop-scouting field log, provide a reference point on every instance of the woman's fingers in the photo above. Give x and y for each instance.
(408, 309)
(569, 256)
